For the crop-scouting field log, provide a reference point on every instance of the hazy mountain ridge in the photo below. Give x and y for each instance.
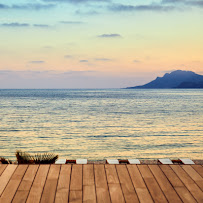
(175, 79)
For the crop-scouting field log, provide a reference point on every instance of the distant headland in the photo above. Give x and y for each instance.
(175, 79)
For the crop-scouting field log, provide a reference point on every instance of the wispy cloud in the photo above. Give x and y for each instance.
(36, 6)
(83, 61)
(90, 12)
(103, 59)
(136, 61)
(109, 36)
(41, 25)
(36, 62)
(15, 24)
(163, 6)
(3, 6)
(77, 1)
(185, 2)
(68, 56)
(195, 3)
(47, 47)
(72, 22)
(172, 1)
(150, 7)
(78, 72)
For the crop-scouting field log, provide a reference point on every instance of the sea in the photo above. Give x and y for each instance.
(102, 123)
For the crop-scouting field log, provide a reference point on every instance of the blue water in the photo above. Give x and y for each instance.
(99, 124)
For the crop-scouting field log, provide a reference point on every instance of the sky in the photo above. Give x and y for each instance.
(97, 43)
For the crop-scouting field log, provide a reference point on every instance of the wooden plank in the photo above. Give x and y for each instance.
(199, 169)
(126, 184)
(116, 193)
(114, 185)
(101, 184)
(189, 183)
(2, 168)
(25, 185)
(38, 184)
(76, 184)
(111, 174)
(13, 184)
(164, 184)
(152, 184)
(62, 192)
(49, 192)
(139, 185)
(76, 178)
(75, 196)
(6, 175)
(194, 175)
(88, 174)
(89, 194)
(180, 188)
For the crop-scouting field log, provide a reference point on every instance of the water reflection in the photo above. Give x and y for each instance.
(97, 124)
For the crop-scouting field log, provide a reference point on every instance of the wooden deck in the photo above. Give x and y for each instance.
(101, 183)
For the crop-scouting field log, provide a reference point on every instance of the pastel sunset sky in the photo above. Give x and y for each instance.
(97, 43)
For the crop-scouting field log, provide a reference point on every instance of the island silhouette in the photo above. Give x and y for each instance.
(175, 79)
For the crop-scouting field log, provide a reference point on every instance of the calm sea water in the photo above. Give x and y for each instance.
(99, 124)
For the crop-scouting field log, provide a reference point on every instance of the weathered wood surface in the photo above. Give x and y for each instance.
(101, 183)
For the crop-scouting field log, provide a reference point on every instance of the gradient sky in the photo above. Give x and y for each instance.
(97, 43)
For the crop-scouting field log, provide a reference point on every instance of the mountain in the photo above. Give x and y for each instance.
(175, 79)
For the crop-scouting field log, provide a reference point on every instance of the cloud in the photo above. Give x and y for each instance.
(102, 59)
(47, 47)
(36, 62)
(109, 35)
(15, 24)
(164, 5)
(41, 25)
(72, 22)
(150, 7)
(68, 56)
(83, 61)
(77, 1)
(184, 2)
(195, 3)
(136, 61)
(36, 6)
(90, 12)
(172, 1)
(78, 72)
(3, 6)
